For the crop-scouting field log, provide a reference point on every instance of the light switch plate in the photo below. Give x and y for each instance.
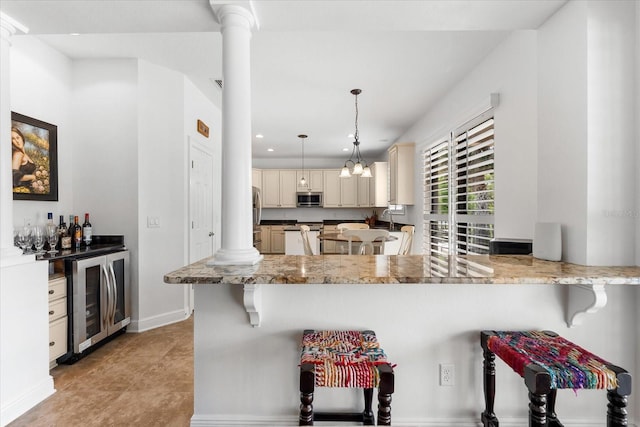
(153, 222)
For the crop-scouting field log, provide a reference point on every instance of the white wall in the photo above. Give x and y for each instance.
(586, 130)
(509, 70)
(161, 179)
(436, 324)
(41, 84)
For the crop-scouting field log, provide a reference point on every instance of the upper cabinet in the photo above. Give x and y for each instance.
(278, 188)
(339, 192)
(401, 173)
(314, 178)
(378, 192)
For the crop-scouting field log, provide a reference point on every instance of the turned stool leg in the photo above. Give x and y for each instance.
(385, 390)
(488, 417)
(537, 410)
(552, 418)
(307, 384)
(367, 414)
(617, 406)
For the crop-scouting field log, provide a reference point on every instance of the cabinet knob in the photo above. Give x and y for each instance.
(51, 312)
(52, 343)
(51, 291)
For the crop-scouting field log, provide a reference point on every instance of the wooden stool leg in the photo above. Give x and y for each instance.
(307, 384)
(488, 417)
(385, 390)
(537, 410)
(617, 406)
(552, 418)
(367, 414)
(616, 409)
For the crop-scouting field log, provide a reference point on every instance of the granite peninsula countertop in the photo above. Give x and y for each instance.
(395, 269)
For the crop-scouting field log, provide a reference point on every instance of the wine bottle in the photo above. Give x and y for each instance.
(64, 238)
(47, 246)
(77, 232)
(87, 230)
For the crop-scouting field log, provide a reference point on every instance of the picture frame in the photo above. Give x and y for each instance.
(34, 158)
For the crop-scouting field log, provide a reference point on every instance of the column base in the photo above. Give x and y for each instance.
(236, 257)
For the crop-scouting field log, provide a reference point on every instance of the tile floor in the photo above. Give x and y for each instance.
(143, 379)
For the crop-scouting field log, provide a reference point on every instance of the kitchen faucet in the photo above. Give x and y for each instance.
(388, 211)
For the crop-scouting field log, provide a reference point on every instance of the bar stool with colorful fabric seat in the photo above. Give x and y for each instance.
(548, 362)
(354, 359)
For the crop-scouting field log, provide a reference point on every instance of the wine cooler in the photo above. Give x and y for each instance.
(101, 298)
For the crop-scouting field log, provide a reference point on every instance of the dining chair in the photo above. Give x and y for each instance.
(407, 239)
(304, 231)
(340, 246)
(367, 237)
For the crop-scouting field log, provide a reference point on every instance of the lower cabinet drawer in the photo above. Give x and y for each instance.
(57, 309)
(57, 338)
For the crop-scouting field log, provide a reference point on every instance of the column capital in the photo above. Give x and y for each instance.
(224, 9)
(9, 26)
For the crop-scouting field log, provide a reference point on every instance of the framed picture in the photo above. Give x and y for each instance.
(34, 158)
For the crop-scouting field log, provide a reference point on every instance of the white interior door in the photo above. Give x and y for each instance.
(202, 238)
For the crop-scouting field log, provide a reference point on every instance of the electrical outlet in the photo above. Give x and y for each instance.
(447, 374)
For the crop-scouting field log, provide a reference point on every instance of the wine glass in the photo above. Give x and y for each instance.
(24, 239)
(39, 238)
(52, 237)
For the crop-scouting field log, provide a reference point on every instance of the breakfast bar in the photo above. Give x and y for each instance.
(427, 311)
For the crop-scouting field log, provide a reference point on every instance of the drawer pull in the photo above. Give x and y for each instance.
(52, 343)
(51, 312)
(51, 291)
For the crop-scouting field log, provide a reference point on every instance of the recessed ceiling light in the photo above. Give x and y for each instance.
(259, 135)
(269, 149)
(74, 34)
(345, 149)
(350, 135)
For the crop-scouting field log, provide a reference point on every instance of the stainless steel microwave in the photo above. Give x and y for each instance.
(307, 199)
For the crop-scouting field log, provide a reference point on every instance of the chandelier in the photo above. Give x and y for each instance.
(303, 181)
(356, 159)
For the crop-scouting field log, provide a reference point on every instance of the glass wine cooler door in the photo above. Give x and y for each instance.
(90, 302)
(119, 313)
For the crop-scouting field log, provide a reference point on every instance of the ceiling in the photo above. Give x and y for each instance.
(306, 56)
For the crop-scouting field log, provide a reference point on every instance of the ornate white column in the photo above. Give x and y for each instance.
(8, 27)
(237, 212)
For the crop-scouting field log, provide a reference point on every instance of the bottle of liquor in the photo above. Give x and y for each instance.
(64, 238)
(47, 246)
(77, 232)
(86, 230)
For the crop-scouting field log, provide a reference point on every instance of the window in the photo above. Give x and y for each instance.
(459, 192)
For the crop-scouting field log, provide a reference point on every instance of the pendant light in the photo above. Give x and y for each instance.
(303, 181)
(357, 162)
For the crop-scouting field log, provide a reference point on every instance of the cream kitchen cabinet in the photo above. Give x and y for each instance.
(401, 173)
(314, 178)
(265, 237)
(279, 188)
(277, 239)
(339, 192)
(57, 317)
(329, 246)
(378, 185)
(362, 199)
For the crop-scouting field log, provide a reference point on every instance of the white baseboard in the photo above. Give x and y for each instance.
(204, 420)
(157, 321)
(21, 404)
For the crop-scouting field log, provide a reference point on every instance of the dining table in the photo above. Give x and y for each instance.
(339, 237)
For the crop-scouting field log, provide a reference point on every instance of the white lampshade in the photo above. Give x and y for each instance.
(344, 173)
(357, 169)
(366, 172)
